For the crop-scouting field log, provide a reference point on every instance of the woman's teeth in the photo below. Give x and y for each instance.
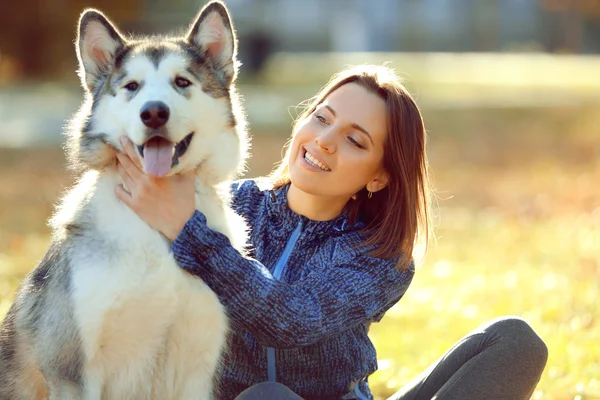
(314, 162)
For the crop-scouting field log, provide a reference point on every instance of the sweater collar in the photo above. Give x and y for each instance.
(285, 219)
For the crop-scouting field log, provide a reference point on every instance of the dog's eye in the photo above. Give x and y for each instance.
(182, 82)
(132, 86)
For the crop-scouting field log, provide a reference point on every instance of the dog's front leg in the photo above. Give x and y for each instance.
(64, 390)
(93, 391)
(93, 384)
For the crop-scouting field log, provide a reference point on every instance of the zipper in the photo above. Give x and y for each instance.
(279, 267)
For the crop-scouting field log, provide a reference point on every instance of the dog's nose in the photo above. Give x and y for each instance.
(154, 114)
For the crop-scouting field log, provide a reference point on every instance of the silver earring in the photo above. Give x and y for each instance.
(370, 194)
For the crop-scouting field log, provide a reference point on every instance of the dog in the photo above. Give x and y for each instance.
(107, 313)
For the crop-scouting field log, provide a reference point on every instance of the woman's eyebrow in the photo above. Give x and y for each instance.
(354, 125)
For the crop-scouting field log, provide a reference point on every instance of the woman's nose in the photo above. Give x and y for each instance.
(326, 141)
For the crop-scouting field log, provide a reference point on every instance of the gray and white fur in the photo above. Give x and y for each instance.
(107, 313)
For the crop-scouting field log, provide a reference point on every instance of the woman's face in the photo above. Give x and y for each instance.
(338, 149)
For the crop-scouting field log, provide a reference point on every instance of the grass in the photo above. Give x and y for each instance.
(518, 232)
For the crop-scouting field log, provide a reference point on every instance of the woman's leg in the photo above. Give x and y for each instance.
(268, 391)
(501, 360)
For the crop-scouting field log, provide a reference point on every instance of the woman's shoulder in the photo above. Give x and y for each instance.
(250, 186)
(248, 192)
(352, 247)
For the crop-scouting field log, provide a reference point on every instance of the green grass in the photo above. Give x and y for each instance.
(518, 232)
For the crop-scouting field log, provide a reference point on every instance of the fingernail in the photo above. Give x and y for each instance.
(123, 140)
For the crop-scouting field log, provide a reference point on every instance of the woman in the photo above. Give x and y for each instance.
(332, 234)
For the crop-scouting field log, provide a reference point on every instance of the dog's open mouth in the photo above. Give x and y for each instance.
(160, 154)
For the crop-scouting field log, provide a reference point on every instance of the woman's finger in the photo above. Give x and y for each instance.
(124, 196)
(131, 151)
(129, 166)
(127, 180)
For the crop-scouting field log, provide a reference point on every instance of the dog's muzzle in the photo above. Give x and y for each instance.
(160, 154)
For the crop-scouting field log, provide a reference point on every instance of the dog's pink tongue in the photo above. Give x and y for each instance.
(158, 155)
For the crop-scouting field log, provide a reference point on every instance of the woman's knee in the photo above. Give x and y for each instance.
(521, 336)
(268, 391)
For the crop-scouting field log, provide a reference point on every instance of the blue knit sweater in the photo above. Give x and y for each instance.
(301, 304)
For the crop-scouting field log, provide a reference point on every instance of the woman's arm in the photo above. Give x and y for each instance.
(351, 291)
(281, 315)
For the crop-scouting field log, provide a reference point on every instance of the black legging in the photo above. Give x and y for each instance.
(501, 360)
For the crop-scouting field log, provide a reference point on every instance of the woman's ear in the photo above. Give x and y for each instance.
(379, 182)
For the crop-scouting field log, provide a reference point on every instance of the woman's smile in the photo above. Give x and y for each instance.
(312, 162)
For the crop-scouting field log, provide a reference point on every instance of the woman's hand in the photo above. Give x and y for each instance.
(166, 204)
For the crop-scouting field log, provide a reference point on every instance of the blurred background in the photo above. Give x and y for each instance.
(510, 92)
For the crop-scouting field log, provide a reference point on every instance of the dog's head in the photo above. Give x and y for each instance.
(173, 97)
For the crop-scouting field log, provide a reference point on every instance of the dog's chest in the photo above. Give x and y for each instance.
(131, 299)
(127, 287)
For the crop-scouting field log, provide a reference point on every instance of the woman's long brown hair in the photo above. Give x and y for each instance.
(398, 216)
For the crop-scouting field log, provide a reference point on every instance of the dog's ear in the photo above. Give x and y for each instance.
(212, 33)
(98, 42)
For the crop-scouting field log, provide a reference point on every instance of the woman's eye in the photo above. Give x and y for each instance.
(132, 86)
(355, 143)
(182, 82)
(321, 119)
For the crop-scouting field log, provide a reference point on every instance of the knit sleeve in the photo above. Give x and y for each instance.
(281, 315)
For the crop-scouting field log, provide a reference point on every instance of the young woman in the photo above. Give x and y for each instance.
(332, 234)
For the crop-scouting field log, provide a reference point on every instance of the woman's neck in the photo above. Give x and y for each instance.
(317, 208)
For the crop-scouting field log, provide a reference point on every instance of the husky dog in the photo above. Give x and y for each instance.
(108, 314)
